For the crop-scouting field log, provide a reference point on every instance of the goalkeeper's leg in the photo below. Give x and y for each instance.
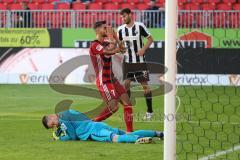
(105, 135)
(130, 138)
(110, 135)
(148, 133)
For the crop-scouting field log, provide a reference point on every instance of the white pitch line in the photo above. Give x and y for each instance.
(220, 153)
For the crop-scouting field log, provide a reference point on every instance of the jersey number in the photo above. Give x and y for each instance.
(113, 92)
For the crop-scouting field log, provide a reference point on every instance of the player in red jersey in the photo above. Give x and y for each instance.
(109, 87)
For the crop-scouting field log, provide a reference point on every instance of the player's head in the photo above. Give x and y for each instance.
(50, 121)
(100, 28)
(126, 15)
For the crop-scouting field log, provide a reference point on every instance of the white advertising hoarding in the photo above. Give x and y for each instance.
(35, 65)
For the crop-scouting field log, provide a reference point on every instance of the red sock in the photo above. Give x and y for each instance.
(128, 117)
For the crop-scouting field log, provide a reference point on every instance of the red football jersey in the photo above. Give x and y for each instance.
(102, 63)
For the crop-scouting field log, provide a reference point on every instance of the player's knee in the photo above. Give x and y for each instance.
(113, 106)
(128, 102)
(127, 84)
(125, 99)
(114, 109)
(146, 89)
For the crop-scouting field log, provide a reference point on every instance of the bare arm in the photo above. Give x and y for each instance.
(111, 51)
(142, 51)
(149, 42)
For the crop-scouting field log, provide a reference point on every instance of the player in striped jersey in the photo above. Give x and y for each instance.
(134, 66)
(109, 87)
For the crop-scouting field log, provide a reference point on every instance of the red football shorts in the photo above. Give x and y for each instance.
(111, 91)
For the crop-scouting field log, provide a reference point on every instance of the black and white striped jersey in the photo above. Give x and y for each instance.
(133, 39)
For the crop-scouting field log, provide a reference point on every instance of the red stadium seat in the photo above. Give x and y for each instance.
(181, 6)
(95, 6)
(142, 6)
(160, 5)
(132, 1)
(208, 6)
(101, 1)
(78, 6)
(47, 6)
(117, 1)
(63, 6)
(128, 5)
(182, 1)
(46, 19)
(229, 1)
(3, 7)
(236, 6)
(197, 1)
(224, 6)
(19, 1)
(34, 6)
(110, 6)
(213, 1)
(15, 6)
(161, 1)
(191, 6)
(146, 1)
(8, 1)
(51, 1)
(38, 1)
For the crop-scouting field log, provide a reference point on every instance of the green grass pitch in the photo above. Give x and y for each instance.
(22, 135)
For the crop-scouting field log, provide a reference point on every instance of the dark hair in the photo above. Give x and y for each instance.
(125, 10)
(45, 122)
(98, 24)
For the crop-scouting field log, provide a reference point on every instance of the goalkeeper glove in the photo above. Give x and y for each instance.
(57, 133)
(60, 131)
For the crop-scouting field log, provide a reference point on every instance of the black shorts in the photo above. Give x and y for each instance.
(136, 72)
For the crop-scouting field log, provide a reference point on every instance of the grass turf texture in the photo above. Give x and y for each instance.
(23, 136)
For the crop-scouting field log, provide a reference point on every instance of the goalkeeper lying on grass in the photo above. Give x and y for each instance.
(74, 125)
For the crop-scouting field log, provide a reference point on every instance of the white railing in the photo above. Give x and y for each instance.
(86, 18)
